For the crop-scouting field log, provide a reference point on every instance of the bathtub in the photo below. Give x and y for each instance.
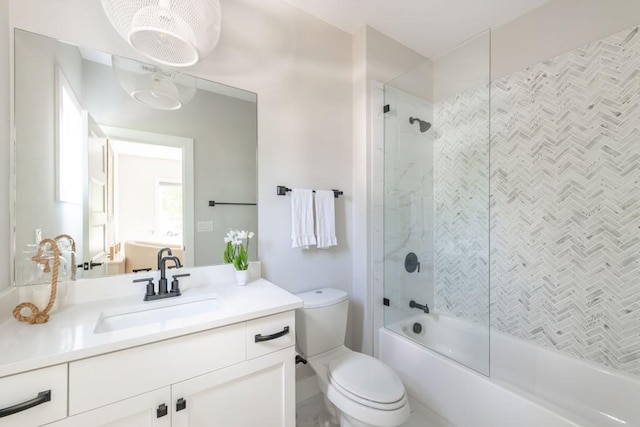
(529, 386)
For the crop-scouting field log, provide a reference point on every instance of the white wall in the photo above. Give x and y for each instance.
(300, 68)
(557, 27)
(5, 204)
(466, 67)
(417, 81)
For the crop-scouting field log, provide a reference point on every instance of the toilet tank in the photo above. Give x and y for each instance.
(321, 324)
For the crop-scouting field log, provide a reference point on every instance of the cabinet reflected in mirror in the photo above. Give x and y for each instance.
(124, 178)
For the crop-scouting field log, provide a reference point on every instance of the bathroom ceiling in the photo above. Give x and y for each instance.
(430, 27)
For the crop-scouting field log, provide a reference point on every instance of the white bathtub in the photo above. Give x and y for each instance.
(530, 386)
(463, 342)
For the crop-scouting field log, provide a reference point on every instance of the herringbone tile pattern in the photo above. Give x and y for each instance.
(461, 188)
(565, 216)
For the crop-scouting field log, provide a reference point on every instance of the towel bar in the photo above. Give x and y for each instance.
(282, 190)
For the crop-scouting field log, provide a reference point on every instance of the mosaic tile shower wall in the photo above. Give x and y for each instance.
(565, 214)
(461, 223)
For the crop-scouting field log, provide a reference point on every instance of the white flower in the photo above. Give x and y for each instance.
(238, 237)
(235, 239)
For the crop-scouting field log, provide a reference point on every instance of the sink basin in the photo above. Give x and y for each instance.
(162, 314)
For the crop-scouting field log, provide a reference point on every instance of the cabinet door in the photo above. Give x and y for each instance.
(259, 392)
(145, 410)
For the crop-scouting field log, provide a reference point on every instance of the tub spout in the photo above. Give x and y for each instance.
(424, 307)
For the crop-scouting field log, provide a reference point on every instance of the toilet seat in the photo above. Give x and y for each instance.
(367, 380)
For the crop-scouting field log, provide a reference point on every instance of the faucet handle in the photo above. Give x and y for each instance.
(150, 289)
(175, 285)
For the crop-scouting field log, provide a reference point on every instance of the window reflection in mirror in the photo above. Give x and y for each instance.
(134, 176)
(70, 123)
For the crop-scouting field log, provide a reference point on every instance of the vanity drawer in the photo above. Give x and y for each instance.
(271, 333)
(104, 379)
(32, 387)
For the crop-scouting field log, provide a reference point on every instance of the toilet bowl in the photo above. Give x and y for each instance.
(359, 390)
(365, 391)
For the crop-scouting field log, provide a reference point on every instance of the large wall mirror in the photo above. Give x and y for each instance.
(125, 158)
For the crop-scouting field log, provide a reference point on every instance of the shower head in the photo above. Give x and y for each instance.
(424, 126)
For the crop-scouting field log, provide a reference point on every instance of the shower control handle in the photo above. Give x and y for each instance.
(411, 263)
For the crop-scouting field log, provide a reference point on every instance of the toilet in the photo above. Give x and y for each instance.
(359, 390)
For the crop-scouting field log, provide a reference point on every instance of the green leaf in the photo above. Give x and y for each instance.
(228, 253)
(241, 262)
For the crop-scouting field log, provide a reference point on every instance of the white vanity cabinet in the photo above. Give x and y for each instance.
(257, 392)
(241, 375)
(108, 378)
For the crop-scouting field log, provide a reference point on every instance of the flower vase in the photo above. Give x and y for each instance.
(242, 277)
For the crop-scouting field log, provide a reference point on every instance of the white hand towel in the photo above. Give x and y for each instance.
(302, 219)
(325, 219)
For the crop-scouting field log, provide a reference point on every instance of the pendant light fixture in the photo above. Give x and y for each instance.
(177, 33)
(153, 86)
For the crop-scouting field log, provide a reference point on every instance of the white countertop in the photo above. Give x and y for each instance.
(69, 334)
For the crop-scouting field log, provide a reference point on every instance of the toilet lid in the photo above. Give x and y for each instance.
(367, 378)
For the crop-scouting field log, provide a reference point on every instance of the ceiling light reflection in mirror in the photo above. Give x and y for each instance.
(153, 86)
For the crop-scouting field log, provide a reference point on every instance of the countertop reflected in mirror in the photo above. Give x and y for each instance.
(95, 161)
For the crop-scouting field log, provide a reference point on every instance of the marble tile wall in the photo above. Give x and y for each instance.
(565, 203)
(408, 203)
(565, 217)
(461, 225)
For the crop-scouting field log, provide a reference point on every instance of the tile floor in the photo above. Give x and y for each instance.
(311, 413)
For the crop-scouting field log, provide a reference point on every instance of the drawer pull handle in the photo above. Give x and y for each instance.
(162, 411)
(42, 397)
(181, 404)
(260, 337)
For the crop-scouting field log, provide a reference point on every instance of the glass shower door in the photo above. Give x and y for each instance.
(436, 205)
(408, 206)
